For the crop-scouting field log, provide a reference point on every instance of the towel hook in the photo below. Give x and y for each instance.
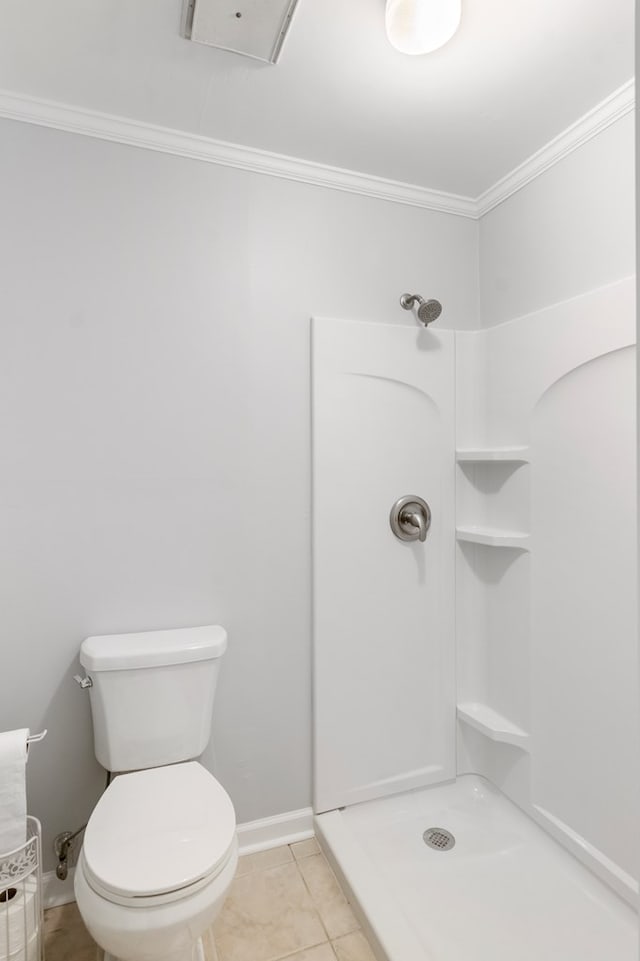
(34, 738)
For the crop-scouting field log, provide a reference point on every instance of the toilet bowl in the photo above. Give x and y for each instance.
(159, 855)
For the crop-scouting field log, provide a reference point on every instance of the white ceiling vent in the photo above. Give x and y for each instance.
(253, 28)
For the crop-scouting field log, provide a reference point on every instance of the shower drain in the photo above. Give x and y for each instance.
(438, 839)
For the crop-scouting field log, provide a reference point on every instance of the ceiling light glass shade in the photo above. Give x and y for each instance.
(420, 26)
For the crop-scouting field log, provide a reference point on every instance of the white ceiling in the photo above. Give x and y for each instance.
(517, 74)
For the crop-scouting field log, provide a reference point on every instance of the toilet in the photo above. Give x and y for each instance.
(160, 849)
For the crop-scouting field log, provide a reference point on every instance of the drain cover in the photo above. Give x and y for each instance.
(439, 839)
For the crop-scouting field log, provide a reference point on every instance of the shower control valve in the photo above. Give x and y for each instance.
(410, 518)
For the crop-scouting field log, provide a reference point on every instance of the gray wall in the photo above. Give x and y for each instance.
(570, 230)
(154, 415)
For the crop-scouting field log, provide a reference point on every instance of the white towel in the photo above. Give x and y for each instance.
(13, 789)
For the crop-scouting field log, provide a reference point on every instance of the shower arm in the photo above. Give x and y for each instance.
(408, 301)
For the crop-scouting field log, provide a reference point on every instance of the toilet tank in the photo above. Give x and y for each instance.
(152, 694)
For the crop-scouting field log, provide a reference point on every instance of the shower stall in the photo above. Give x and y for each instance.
(476, 691)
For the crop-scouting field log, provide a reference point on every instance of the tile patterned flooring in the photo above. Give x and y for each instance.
(283, 903)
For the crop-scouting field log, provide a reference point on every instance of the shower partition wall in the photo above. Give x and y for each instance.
(384, 608)
(534, 559)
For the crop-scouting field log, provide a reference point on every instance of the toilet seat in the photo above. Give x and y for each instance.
(159, 835)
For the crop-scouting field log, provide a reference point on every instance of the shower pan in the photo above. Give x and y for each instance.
(475, 688)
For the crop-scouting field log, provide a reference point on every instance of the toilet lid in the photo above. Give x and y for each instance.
(159, 830)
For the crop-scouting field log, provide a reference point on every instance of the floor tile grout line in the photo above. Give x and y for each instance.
(311, 947)
(296, 861)
(292, 954)
(300, 950)
(330, 939)
(313, 901)
(304, 857)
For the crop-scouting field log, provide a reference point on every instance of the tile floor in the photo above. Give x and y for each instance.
(283, 903)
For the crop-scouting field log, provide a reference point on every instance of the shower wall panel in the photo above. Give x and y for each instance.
(547, 637)
(384, 651)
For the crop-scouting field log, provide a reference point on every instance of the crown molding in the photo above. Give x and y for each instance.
(621, 102)
(135, 133)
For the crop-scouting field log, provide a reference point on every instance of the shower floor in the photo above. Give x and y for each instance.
(505, 892)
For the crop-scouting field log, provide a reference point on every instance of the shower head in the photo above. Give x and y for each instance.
(428, 310)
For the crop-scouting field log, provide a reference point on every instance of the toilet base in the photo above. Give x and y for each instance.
(197, 954)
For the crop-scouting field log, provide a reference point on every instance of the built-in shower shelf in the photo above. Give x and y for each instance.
(493, 537)
(487, 455)
(492, 725)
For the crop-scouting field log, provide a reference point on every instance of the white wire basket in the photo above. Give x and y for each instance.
(21, 917)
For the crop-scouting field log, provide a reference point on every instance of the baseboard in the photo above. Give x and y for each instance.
(279, 829)
(253, 836)
(56, 892)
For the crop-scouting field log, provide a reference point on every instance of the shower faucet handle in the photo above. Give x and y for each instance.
(410, 518)
(414, 519)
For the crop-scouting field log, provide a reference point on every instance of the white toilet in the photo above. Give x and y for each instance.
(160, 849)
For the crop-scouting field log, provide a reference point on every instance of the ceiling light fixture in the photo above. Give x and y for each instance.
(420, 26)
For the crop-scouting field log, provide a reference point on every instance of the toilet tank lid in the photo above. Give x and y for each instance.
(119, 652)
